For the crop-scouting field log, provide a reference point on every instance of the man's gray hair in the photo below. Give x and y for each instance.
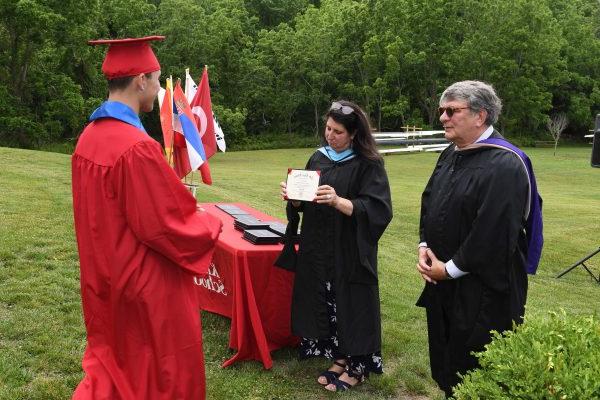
(478, 95)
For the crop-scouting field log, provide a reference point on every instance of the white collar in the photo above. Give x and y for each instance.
(486, 134)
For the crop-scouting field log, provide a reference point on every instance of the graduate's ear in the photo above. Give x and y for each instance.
(139, 82)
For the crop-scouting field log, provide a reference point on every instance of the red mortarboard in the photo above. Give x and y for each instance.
(128, 57)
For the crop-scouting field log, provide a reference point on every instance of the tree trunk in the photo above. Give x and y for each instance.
(316, 109)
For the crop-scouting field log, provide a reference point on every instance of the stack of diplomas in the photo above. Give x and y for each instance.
(244, 222)
(232, 210)
(261, 236)
(277, 227)
(255, 230)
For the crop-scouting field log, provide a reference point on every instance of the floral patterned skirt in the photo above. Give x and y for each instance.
(357, 365)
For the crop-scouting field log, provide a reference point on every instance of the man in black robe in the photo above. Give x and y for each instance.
(476, 215)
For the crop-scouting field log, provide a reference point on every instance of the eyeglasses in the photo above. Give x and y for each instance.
(450, 110)
(337, 106)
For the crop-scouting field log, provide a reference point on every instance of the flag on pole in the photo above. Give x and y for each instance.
(181, 159)
(195, 149)
(191, 90)
(165, 101)
(219, 135)
(202, 110)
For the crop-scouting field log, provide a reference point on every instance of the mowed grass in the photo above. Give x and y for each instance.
(42, 336)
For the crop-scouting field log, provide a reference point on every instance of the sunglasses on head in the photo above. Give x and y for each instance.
(450, 110)
(336, 106)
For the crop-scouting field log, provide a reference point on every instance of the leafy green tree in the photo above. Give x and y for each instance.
(514, 45)
(578, 92)
(215, 34)
(318, 52)
(274, 65)
(41, 57)
(277, 91)
(274, 12)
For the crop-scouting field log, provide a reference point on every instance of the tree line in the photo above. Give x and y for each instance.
(275, 65)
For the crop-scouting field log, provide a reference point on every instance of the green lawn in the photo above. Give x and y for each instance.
(42, 336)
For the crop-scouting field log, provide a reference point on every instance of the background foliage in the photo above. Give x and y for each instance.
(276, 64)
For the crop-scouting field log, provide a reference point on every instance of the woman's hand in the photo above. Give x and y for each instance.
(283, 193)
(326, 195)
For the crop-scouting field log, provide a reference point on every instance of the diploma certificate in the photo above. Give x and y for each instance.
(302, 184)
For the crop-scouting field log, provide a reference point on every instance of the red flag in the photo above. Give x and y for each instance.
(202, 110)
(166, 120)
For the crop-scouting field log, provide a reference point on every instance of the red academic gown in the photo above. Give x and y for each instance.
(139, 238)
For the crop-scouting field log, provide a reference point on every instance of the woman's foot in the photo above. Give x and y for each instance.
(332, 373)
(344, 382)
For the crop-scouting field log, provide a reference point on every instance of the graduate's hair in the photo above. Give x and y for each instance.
(118, 84)
(357, 124)
(478, 95)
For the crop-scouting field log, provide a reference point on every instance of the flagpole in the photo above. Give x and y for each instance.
(198, 171)
(179, 83)
(171, 160)
(187, 73)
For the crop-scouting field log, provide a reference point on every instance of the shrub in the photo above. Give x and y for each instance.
(273, 141)
(232, 123)
(545, 358)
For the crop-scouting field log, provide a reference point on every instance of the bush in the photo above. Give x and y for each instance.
(269, 141)
(545, 358)
(232, 123)
(21, 132)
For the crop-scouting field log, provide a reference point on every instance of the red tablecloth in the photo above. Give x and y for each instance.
(244, 285)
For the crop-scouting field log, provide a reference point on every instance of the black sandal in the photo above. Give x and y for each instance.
(342, 386)
(331, 376)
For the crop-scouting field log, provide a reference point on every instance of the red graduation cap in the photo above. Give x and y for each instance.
(128, 57)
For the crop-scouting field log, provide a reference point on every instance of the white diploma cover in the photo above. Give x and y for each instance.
(302, 184)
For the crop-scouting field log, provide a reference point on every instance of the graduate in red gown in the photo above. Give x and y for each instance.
(140, 239)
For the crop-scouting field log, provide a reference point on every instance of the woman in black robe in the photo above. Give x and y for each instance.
(335, 303)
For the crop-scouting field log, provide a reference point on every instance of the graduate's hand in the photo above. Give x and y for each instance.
(438, 268)
(424, 265)
(283, 193)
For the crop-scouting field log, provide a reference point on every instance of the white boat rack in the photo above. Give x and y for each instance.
(412, 144)
(404, 135)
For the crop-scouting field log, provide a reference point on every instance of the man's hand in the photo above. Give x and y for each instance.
(424, 265)
(431, 269)
(438, 268)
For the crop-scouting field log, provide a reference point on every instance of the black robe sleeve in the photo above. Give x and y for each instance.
(493, 236)
(289, 256)
(427, 193)
(372, 213)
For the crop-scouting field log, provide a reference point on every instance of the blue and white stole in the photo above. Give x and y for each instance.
(335, 156)
(117, 110)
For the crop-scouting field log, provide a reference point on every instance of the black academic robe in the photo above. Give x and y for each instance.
(343, 250)
(473, 213)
